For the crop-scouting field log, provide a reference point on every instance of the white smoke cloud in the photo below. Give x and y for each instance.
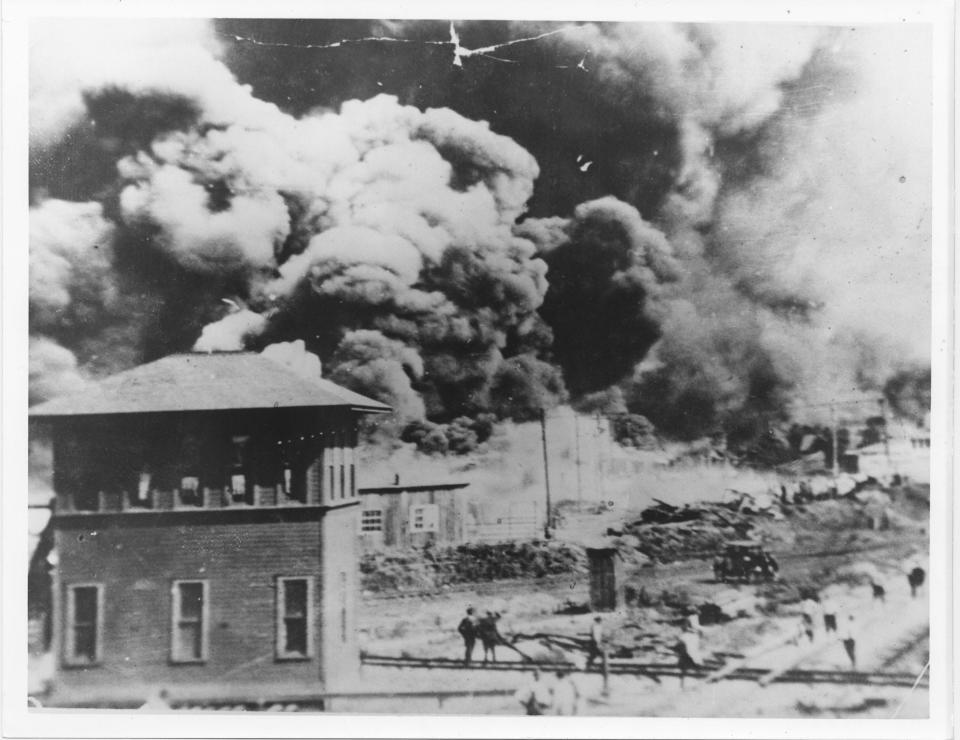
(246, 233)
(71, 56)
(231, 333)
(70, 259)
(294, 355)
(53, 370)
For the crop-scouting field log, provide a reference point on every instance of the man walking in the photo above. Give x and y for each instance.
(468, 631)
(687, 649)
(849, 637)
(597, 644)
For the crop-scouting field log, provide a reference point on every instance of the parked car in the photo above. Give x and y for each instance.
(745, 560)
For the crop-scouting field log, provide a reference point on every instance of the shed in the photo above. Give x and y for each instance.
(412, 515)
(606, 578)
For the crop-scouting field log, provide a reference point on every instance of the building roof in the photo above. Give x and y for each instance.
(400, 488)
(205, 382)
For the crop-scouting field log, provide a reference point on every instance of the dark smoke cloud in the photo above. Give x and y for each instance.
(694, 223)
(606, 267)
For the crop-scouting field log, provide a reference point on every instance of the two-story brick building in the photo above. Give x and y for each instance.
(206, 529)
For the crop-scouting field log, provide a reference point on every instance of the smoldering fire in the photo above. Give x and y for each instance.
(739, 242)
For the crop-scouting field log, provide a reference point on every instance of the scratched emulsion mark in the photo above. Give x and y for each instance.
(459, 51)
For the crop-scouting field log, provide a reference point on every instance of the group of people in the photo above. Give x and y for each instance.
(813, 609)
(473, 628)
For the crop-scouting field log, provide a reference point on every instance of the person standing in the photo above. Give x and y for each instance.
(566, 695)
(468, 631)
(535, 696)
(915, 578)
(688, 652)
(489, 635)
(849, 636)
(829, 608)
(597, 644)
(809, 608)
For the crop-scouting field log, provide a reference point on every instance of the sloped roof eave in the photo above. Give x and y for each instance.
(206, 382)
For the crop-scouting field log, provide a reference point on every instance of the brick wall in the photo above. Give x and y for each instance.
(137, 556)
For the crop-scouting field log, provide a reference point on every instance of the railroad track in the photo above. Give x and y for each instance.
(654, 671)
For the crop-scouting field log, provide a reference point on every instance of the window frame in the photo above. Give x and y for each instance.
(433, 520)
(69, 658)
(280, 625)
(175, 619)
(369, 513)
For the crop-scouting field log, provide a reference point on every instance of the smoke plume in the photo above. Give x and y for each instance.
(712, 226)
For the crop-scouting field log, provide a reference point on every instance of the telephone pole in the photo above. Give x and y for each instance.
(836, 447)
(576, 434)
(546, 473)
(886, 437)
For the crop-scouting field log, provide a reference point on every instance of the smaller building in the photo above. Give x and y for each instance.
(906, 453)
(606, 578)
(412, 515)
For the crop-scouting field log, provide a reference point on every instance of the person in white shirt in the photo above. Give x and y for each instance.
(535, 696)
(566, 695)
(597, 644)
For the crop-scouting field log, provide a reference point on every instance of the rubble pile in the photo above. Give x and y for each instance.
(432, 568)
(665, 533)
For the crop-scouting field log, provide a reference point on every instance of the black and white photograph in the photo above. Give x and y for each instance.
(483, 366)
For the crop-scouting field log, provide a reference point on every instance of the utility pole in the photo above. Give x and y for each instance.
(886, 437)
(836, 447)
(546, 473)
(576, 434)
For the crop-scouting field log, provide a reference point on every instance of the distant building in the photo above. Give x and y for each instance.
(412, 515)
(906, 452)
(405, 515)
(205, 529)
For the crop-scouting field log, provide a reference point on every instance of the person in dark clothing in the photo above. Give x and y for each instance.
(468, 631)
(915, 578)
(849, 637)
(489, 635)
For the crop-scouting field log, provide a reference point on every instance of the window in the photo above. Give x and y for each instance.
(189, 639)
(423, 518)
(237, 474)
(143, 488)
(371, 520)
(294, 618)
(238, 484)
(190, 494)
(84, 618)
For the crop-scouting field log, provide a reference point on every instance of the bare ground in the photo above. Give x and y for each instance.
(816, 547)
